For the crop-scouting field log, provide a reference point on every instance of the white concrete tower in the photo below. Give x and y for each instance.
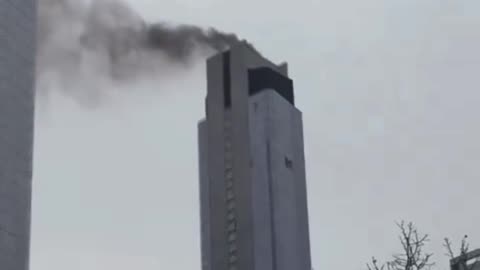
(252, 168)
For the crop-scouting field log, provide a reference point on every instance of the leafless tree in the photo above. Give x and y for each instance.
(375, 266)
(412, 256)
(462, 257)
(464, 247)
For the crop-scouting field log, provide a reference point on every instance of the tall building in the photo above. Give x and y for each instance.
(252, 167)
(17, 58)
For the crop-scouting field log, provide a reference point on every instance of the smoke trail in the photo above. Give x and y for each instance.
(82, 44)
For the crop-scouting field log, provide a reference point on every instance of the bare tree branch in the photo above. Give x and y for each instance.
(412, 256)
(374, 265)
(448, 247)
(462, 258)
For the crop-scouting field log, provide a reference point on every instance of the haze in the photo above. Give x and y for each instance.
(389, 92)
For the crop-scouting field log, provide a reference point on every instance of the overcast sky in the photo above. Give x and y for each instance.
(389, 92)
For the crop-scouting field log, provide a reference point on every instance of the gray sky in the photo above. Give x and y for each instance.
(390, 99)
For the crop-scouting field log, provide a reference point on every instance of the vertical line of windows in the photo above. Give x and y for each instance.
(231, 215)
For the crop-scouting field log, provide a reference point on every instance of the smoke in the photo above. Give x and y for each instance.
(83, 45)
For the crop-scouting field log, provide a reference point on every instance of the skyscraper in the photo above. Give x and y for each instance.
(17, 58)
(252, 167)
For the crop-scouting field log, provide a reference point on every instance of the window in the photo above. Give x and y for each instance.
(233, 258)
(228, 155)
(229, 174)
(229, 200)
(231, 205)
(232, 237)
(231, 216)
(232, 248)
(232, 226)
(230, 194)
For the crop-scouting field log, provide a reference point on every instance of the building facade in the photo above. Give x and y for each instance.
(253, 196)
(17, 72)
(466, 261)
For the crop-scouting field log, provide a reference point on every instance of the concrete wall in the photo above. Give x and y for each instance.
(204, 195)
(263, 211)
(278, 179)
(17, 35)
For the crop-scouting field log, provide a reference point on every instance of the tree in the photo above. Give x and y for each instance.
(464, 247)
(412, 256)
(460, 261)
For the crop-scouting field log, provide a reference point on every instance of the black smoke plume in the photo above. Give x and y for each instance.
(84, 43)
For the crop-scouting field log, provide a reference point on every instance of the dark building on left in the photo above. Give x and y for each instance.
(17, 78)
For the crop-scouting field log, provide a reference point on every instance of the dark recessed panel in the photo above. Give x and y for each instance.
(266, 78)
(227, 78)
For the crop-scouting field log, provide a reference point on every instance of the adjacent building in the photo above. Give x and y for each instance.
(17, 57)
(252, 167)
(466, 261)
